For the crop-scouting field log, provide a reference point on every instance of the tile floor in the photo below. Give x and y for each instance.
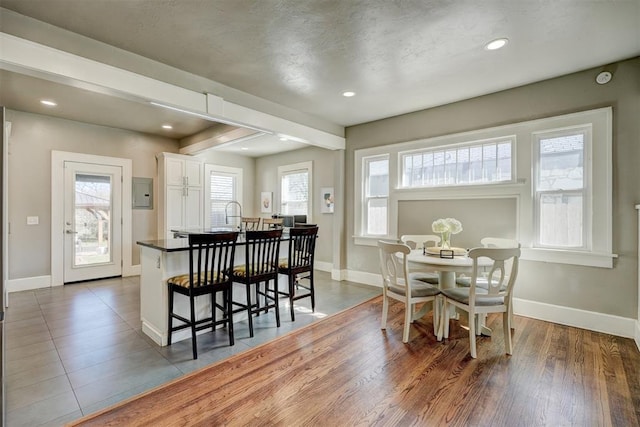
(75, 349)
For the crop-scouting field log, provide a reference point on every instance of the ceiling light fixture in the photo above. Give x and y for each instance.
(496, 44)
(284, 138)
(48, 103)
(244, 148)
(168, 127)
(211, 118)
(348, 94)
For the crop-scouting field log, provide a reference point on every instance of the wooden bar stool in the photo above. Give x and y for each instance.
(260, 268)
(250, 224)
(271, 223)
(299, 261)
(211, 259)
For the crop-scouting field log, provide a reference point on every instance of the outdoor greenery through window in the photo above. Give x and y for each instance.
(477, 163)
(377, 195)
(561, 188)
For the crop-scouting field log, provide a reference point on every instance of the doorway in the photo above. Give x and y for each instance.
(91, 217)
(92, 221)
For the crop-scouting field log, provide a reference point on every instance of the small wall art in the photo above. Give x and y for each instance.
(326, 204)
(266, 201)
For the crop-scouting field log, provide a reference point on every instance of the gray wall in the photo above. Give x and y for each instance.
(323, 176)
(33, 137)
(610, 291)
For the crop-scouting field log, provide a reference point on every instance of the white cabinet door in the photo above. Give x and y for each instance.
(174, 171)
(193, 172)
(193, 208)
(175, 212)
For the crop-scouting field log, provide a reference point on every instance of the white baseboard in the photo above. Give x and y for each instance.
(323, 266)
(598, 322)
(638, 334)
(365, 278)
(28, 283)
(132, 270)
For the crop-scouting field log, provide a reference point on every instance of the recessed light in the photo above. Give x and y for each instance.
(284, 138)
(348, 94)
(169, 127)
(244, 148)
(48, 103)
(496, 44)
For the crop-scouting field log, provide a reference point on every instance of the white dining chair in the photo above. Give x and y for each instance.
(490, 242)
(397, 285)
(419, 241)
(496, 298)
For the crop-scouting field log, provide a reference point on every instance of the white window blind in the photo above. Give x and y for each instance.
(223, 190)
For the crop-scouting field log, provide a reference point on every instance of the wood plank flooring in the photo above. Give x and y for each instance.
(344, 370)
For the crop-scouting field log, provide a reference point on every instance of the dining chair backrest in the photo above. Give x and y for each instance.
(418, 241)
(302, 247)
(251, 223)
(393, 268)
(211, 258)
(271, 223)
(498, 278)
(499, 242)
(261, 256)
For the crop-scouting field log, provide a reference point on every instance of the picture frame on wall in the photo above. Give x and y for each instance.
(326, 204)
(266, 202)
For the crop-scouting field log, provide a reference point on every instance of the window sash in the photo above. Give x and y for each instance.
(475, 163)
(376, 196)
(561, 173)
(223, 189)
(295, 192)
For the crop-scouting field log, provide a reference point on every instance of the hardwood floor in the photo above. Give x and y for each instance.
(344, 370)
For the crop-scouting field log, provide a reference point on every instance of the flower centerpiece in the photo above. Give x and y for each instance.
(446, 227)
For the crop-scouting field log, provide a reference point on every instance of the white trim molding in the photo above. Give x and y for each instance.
(57, 209)
(28, 283)
(637, 337)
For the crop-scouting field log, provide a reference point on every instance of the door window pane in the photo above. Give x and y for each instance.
(92, 227)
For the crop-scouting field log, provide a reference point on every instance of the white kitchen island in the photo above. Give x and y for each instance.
(162, 259)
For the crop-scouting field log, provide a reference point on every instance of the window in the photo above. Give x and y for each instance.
(560, 188)
(376, 199)
(477, 163)
(224, 185)
(295, 189)
(557, 169)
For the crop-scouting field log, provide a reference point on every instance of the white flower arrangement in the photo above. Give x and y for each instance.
(446, 225)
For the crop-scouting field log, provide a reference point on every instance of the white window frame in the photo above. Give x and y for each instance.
(470, 144)
(365, 184)
(219, 170)
(297, 167)
(586, 131)
(599, 233)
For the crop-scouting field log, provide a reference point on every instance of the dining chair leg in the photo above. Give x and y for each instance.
(291, 282)
(249, 311)
(228, 298)
(385, 311)
(194, 344)
(313, 291)
(472, 335)
(408, 309)
(506, 325)
(213, 311)
(436, 315)
(170, 320)
(275, 298)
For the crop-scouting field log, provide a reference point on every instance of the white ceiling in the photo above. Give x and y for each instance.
(398, 56)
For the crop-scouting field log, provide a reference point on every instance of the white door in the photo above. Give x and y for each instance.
(92, 221)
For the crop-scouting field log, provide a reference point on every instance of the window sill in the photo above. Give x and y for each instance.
(370, 240)
(588, 259)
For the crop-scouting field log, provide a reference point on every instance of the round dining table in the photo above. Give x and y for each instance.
(447, 268)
